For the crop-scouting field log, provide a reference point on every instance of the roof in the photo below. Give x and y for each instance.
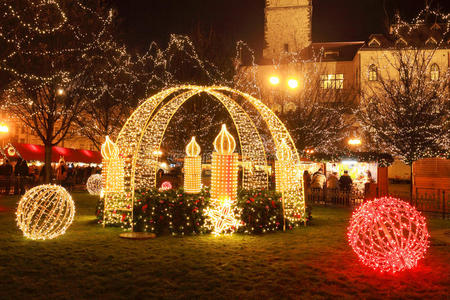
(422, 36)
(336, 51)
(31, 152)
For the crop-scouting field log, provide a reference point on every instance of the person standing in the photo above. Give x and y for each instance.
(21, 173)
(345, 182)
(317, 184)
(8, 171)
(332, 186)
(307, 183)
(61, 172)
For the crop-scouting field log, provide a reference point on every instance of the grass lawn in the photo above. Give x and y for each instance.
(310, 262)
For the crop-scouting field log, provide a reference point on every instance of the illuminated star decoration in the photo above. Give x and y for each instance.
(223, 219)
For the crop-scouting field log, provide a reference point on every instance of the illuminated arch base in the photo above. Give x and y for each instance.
(141, 137)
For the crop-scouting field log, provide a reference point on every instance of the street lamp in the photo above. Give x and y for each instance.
(60, 92)
(292, 83)
(354, 142)
(274, 80)
(4, 129)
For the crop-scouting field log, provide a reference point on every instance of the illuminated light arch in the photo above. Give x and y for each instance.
(141, 137)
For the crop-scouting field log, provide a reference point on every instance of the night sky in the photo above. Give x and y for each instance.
(143, 21)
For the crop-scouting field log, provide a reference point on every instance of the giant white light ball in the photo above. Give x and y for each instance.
(45, 212)
(94, 184)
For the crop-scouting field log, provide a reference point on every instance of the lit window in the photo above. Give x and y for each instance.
(373, 75)
(434, 72)
(332, 81)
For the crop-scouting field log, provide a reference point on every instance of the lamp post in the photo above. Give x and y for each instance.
(3, 131)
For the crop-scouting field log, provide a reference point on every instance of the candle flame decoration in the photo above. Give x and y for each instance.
(113, 167)
(224, 142)
(109, 149)
(193, 149)
(192, 168)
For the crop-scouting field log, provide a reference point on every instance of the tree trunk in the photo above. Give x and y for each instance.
(411, 184)
(48, 163)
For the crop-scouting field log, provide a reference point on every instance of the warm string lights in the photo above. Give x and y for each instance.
(45, 212)
(388, 234)
(94, 184)
(192, 168)
(143, 132)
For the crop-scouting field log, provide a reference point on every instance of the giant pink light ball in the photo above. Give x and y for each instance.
(388, 234)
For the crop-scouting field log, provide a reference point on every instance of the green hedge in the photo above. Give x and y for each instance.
(178, 213)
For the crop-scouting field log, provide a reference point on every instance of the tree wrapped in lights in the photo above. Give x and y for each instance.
(406, 111)
(48, 50)
(192, 168)
(45, 212)
(388, 234)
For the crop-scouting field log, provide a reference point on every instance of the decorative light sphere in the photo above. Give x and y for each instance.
(45, 212)
(165, 186)
(94, 184)
(388, 234)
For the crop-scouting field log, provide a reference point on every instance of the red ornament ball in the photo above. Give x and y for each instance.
(165, 186)
(388, 234)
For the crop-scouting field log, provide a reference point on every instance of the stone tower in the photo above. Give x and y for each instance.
(288, 26)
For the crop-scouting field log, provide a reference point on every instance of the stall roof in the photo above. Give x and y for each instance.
(37, 152)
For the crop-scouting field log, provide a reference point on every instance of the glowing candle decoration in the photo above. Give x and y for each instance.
(388, 234)
(94, 184)
(45, 212)
(113, 167)
(107, 150)
(192, 168)
(224, 175)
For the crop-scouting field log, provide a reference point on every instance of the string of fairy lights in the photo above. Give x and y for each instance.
(140, 139)
(411, 84)
(45, 212)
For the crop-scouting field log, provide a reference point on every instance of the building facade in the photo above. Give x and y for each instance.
(349, 68)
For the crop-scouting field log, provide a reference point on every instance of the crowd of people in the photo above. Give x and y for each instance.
(317, 183)
(17, 177)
